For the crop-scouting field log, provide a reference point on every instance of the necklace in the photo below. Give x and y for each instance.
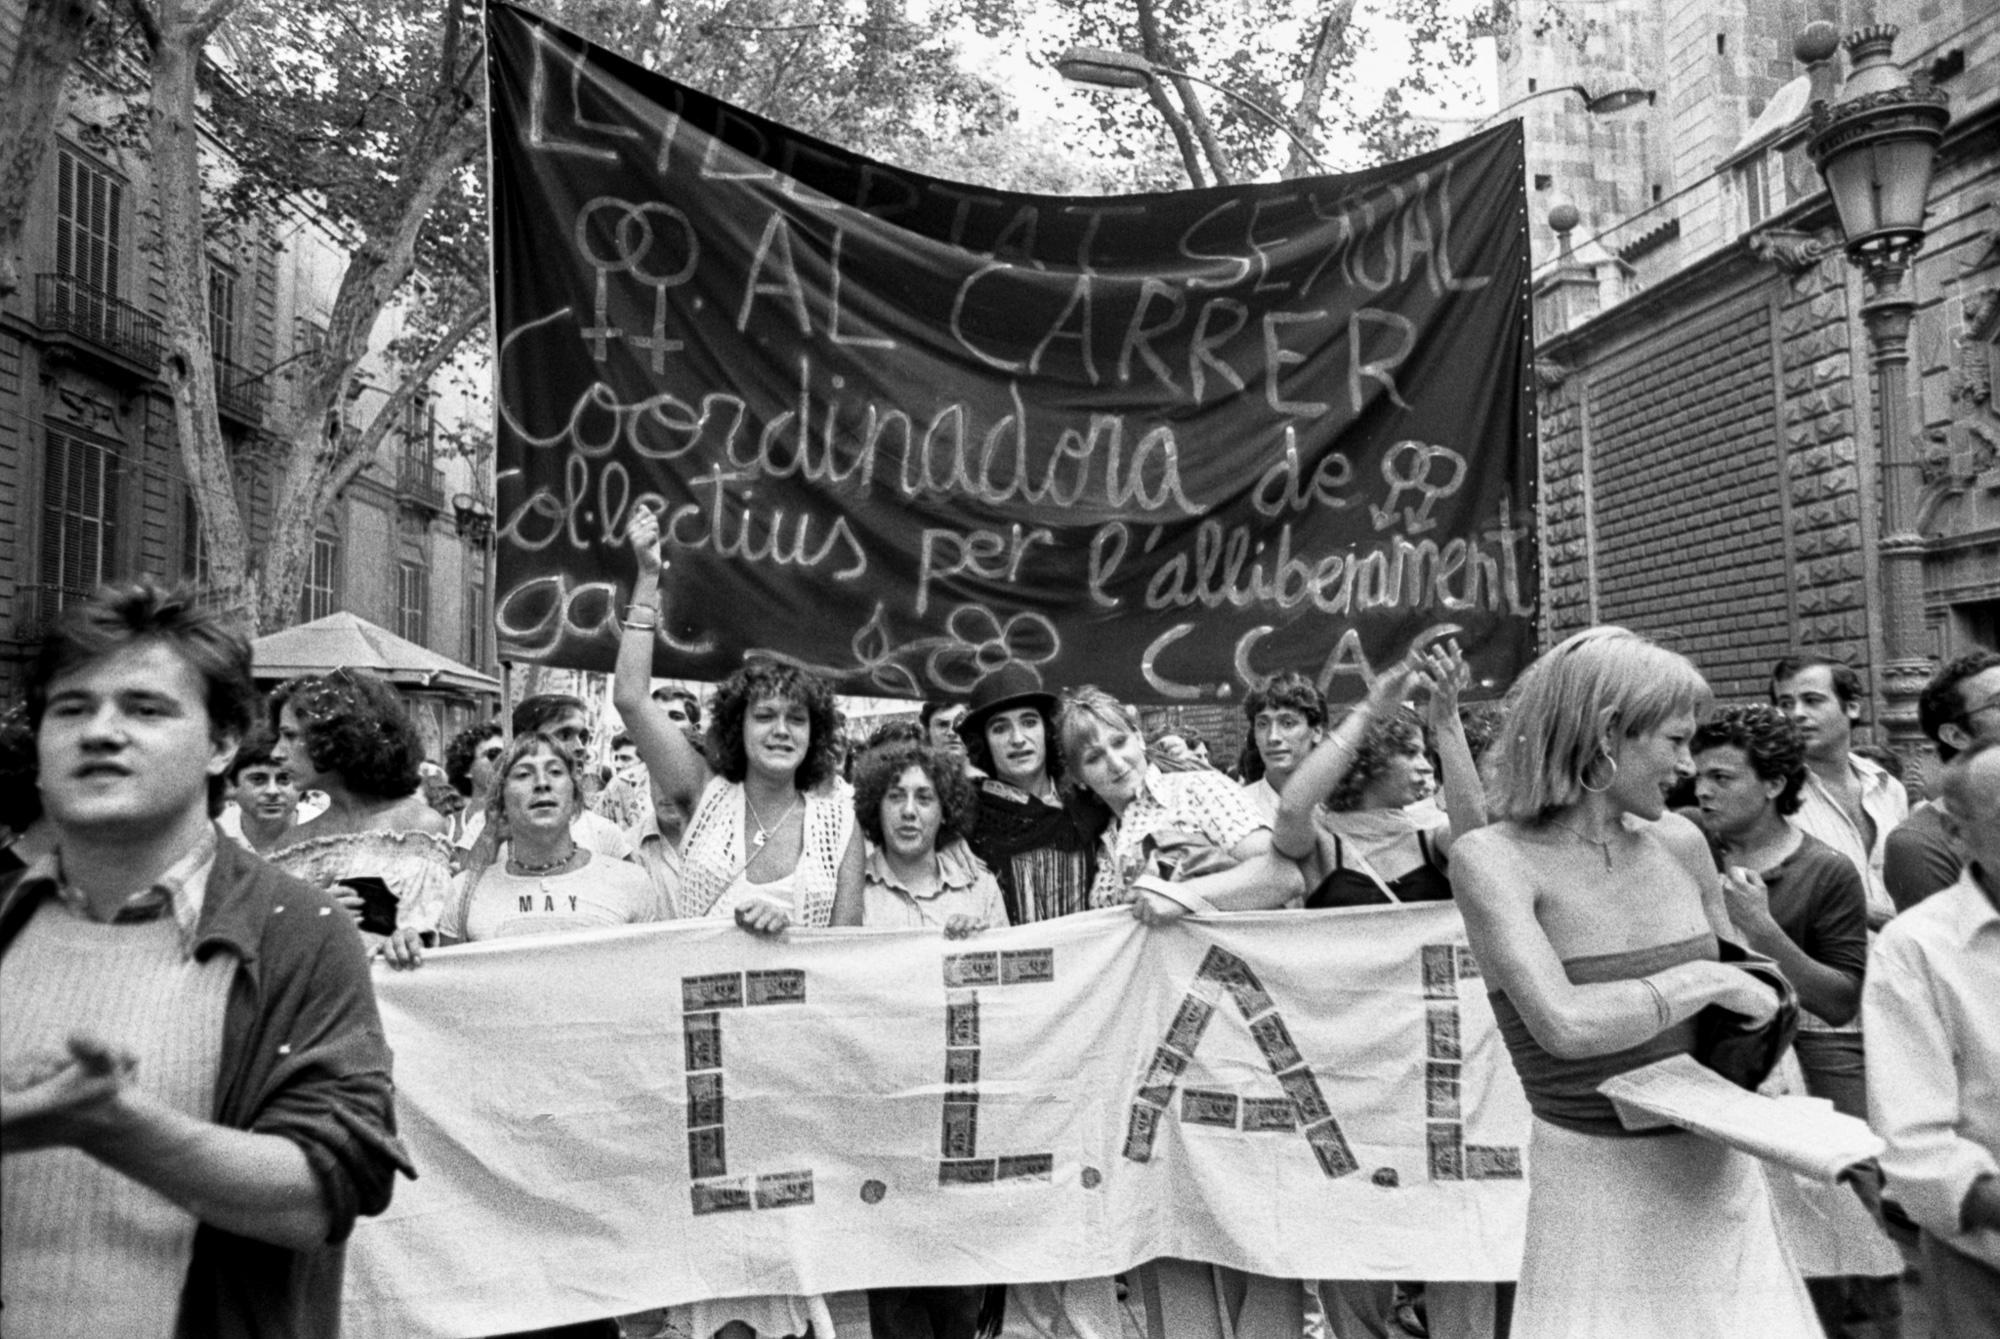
(1603, 844)
(764, 830)
(524, 867)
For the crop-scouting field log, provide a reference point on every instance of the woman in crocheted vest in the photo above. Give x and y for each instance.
(379, 848)
(770, 836)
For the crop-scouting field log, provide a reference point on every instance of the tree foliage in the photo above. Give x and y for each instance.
(1310, 63)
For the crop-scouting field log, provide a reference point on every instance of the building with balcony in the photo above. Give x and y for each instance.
(92, 487)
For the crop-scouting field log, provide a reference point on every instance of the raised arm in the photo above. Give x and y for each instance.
(1296, 832)
(676, 766)
(1445, 670)
(1494, 888)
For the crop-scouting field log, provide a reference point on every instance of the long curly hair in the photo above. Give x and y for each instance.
(353, 725)
(1395, 735)
(1770, 743)
(765, 678)
(879, 768)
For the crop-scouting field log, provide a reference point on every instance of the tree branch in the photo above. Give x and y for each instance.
(1305, 118)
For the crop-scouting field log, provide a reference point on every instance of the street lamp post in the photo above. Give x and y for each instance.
(1105, 68)
(1597, 104)
(1875, 148)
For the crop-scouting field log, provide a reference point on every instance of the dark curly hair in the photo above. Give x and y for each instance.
(1393, 736)
(878, 769)
(1287, 690)
(353, 725)
(463, 751)
(1770, 743)
(750, 685)
(980, 751)
(1941, 704)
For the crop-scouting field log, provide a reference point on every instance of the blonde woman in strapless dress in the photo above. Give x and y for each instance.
(1595, 913)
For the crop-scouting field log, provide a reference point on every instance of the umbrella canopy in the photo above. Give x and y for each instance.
(344, 641)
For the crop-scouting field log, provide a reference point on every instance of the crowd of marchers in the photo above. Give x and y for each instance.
(196, 1097)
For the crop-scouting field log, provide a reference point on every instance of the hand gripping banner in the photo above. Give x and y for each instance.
(902, 429)
(623, 1119)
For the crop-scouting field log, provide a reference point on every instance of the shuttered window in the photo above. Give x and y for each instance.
(413, 602)
(476, 622)
(88, 205)
(222, 312)
(79, 514)
(316, 596)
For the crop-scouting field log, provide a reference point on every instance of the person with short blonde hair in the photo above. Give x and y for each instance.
(1597, 917)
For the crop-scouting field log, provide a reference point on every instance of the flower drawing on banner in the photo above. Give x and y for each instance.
(981, 644)
(975, 643)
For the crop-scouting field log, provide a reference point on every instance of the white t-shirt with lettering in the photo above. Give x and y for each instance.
(495, 904)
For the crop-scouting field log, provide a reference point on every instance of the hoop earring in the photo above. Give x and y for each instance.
(1584, 780)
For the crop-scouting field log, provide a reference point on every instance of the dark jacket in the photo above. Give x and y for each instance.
(304, 1058)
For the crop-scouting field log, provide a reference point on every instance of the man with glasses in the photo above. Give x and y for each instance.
(1960, 707)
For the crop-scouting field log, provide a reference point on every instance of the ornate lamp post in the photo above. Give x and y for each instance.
(1875, 148)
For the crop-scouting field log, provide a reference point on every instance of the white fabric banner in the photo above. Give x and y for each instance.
(610, 1121)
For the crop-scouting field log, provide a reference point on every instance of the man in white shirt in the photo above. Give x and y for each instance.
(1848, 802)
(1932, 1004)
(1287, 719)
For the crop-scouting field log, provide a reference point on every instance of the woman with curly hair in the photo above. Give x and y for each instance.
(379, 846)
(1345, 814)
(770, 836)
(914, 803)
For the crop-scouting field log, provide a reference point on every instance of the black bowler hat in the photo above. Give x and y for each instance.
(1012, 685)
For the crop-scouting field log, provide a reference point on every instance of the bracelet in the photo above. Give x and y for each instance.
(1660, 1009)
(640, 618)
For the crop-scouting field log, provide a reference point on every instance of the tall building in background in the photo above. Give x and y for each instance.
(1711, 461)
(92, 487)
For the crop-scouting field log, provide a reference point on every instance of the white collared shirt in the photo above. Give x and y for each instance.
(1931, 1005)
(1885, 802)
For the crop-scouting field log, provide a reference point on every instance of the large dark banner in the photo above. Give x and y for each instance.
(902, 429)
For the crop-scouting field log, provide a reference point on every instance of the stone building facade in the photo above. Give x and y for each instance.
(92, 487)
(1712, 468)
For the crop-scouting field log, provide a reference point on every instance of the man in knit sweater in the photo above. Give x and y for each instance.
(194, 1088)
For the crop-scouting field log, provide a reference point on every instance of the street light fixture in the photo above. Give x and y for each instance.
(1875, 148)
(1105, 68)
(1597, 104)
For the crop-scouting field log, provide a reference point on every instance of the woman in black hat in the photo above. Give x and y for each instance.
(1038, 837)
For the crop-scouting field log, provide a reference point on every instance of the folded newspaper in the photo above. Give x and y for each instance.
(1804, 1134)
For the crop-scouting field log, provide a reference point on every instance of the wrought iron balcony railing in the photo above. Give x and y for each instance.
(64, 305)
(420, 484)
(240, 393)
